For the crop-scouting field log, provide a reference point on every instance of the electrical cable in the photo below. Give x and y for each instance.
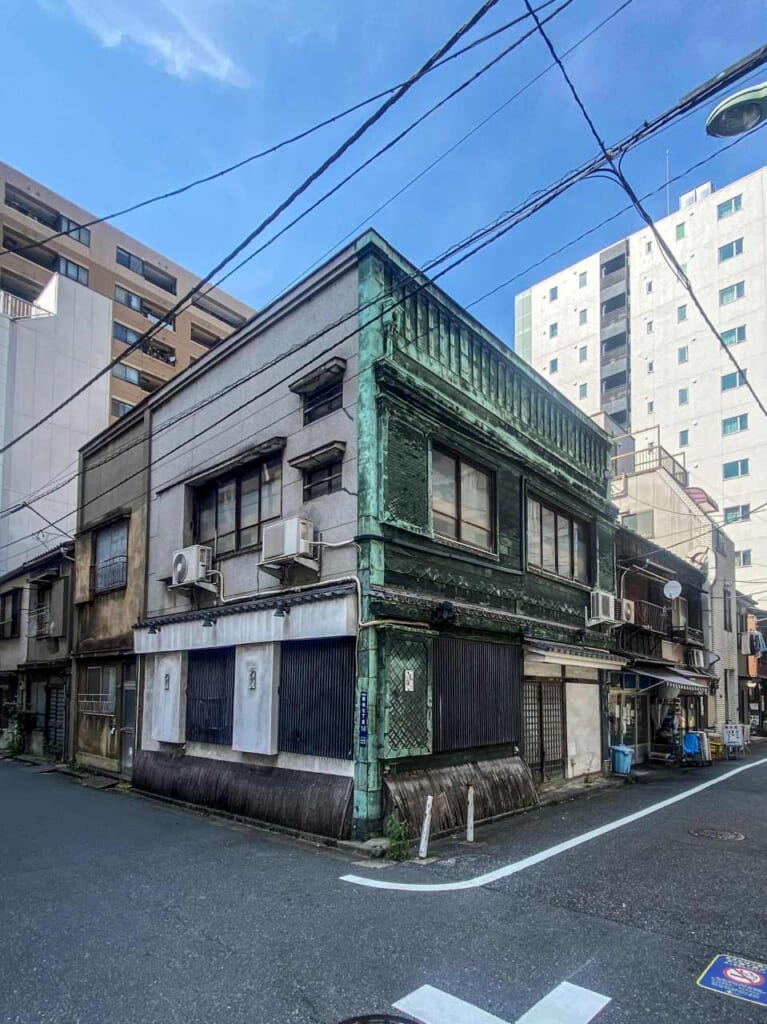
(337, 153)
(222, 172)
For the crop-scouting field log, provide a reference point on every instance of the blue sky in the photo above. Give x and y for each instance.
(125, 98)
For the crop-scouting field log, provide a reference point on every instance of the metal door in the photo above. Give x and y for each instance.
(128, 727)
(544, 728)
(55, 704)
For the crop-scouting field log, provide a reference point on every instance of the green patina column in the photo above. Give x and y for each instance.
(367, 740)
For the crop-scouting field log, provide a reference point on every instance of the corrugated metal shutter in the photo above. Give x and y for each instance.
(477, 694)
(210, 696)
(55, 707)
(317, 680)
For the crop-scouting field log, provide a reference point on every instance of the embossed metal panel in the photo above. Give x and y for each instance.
(407, 711)
(477, 694)
(317, 679)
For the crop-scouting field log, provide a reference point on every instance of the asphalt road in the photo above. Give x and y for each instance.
(116, 909)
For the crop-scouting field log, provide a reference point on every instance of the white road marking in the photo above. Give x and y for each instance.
(566, 1004)
(552, 851)
(432, 1006)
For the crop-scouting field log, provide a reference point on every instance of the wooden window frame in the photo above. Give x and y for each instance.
(572, 520)
(236, 477)
(490, 474)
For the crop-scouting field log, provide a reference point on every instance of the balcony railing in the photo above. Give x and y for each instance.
(96, 704)
(109, 575)
(651, 617)
(658, 458)
(20, 309)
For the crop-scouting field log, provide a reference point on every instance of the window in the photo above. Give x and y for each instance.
(153, 348)
(617, 305)
(583, 316)
(39, 619)
(732, 470)
(648, 287)
(684, 438)
(230, 512)
(732, 293)
(679, 232)
(72, 270)
(557, 542)
(728, 207)
(735, 424)
(553, 330)
(733, 380)
(152, 313)
(612, 266)
(650, 407)
(129, 373)
(553, 365)
(553, 294)
(74, 230)
(325, 479)
(726, 252)
(650, 366)
(583, 354)
(129, 299)
(110, 561)
(323, 401)
(649, 326)
(583, 390)
(120, 408)
(743, 558)
(148, 271)
(684, 396)
(681, 314)
(98, 690)
(462, 500)
(734, 336)
(614, 382)
(682, 354)
(10, 614)
(727, 602)
(583, 279)
(640, 522)
(648, 247)
(737, 514)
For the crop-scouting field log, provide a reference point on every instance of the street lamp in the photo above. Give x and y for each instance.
(738, 113)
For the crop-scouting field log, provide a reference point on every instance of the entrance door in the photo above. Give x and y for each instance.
(544, 728)
(128, 727)
(55, 704)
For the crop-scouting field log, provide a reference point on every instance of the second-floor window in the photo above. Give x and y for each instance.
(557, 542)
(462, 500)
(230, 512)
(10, 614)
(110, 557)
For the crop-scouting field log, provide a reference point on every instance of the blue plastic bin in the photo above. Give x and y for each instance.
(621, 758)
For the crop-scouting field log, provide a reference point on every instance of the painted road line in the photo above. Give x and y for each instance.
(552, 851)
(433, 1006)
(566, 1004)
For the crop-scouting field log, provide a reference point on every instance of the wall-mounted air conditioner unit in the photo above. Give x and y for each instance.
(603, 607)
(192, 566)
(696, 658)
(288, 540)
(627, 610)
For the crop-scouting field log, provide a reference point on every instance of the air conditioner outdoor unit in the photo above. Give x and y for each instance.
(603, 607)
(289, 540)
(696, 658)
(191, 566)
(627, 610)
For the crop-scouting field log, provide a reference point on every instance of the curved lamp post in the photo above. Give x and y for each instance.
(739, 113)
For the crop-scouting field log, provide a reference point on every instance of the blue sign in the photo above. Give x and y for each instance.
(363, 718)
(734, 976)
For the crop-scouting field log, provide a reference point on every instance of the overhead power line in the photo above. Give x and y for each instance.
(615, 165)
(276, 147)
(275, 213)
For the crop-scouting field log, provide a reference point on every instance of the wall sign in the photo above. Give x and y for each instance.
(363, 718)
(409, 680)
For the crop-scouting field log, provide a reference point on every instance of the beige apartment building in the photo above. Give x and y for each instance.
(68, 306)
(141, 284)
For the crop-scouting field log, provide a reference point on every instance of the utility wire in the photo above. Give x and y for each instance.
(615, 164)
(271, 217)
(222, 172)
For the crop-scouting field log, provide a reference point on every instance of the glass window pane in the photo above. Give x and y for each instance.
(271, 489)
(250, 486)
(564, 553)
(533, 532)
(225, 522)
(206, 516)
(475, 504)
(444, 498)
(548, 533)
(581, 552)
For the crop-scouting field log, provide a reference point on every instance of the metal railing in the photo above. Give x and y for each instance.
(16, 308)
(109, 575)
(650, 616)
(658, 458)
(39, 621)
(96, 704)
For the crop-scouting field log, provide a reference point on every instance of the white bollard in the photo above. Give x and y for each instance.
(423, 849)
(470, 815)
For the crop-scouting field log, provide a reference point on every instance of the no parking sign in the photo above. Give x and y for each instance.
(736, 977)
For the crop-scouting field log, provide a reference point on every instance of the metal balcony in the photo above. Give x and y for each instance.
(20, 309)
(651, 617)
(658, 458)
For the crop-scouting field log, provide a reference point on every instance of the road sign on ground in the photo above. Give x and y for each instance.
(736, 977)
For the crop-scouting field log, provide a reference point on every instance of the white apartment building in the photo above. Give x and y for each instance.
(616, 332)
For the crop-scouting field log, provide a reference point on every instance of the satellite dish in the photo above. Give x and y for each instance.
(672, 589)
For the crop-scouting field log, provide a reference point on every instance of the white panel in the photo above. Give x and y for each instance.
(433, 1006)
(584, 738)
(169, 698)
(566, 1004)
(256, 683)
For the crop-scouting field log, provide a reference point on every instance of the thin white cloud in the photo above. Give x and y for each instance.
(176, 35)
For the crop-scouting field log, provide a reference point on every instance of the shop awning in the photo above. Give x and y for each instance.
(544, 652)
(684, 683)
